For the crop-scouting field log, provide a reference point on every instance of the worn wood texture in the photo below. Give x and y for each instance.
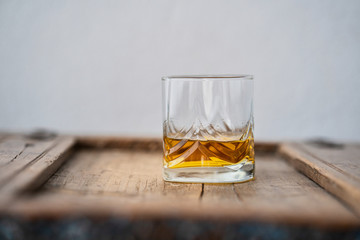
(26, 163)
(122, 177)
(104, 182)
(334, 167)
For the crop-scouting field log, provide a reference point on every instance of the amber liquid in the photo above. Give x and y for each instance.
(180, 153)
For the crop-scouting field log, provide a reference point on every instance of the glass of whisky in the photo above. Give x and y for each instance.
(208, 128)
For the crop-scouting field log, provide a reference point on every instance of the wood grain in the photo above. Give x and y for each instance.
(10, 148)
(123, 177)
(336, 169)
(102, 182)
(18, 152)
(120, 172)
(27, 163)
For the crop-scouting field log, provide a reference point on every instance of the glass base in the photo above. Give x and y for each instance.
(209, 174)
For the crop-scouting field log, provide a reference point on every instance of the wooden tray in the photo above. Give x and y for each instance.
(61, 176)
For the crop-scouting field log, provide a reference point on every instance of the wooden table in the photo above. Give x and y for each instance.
(106, 186)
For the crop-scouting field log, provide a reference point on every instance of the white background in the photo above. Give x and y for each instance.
(94, 67)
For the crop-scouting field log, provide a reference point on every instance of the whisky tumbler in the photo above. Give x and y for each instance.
(208, 128)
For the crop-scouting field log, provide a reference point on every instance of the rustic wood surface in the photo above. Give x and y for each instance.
(334, 167)
(26, 163)
(122, 177)
(103, 182)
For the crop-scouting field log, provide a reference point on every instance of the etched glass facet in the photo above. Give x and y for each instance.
(208, 128)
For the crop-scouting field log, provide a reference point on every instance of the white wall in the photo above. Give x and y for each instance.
(95, 66)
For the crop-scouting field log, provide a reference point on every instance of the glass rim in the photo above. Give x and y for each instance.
(209, 77)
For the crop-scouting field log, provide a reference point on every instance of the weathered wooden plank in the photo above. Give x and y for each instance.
(278, 194)
(122, 178)
(279, 189)
(32, 165)
(10, 148)
(129, 183)
(121, 172)
(21, 153)
(219, 193)
(111, 181)
(344, 158)
(336, 169)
